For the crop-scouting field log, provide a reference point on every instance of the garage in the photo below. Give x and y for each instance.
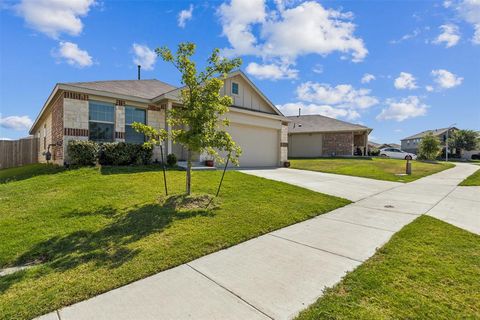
(260, 145)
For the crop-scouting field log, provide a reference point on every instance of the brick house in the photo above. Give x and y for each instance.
(103, 111)
(311, 136)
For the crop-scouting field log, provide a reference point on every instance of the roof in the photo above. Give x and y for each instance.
(147, 89)
(318, 123)
(435, 132)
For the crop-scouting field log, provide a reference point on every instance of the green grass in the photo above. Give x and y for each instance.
(473, 180)
(374, 168)
(27, 171)
(429, 270)
(93, 229)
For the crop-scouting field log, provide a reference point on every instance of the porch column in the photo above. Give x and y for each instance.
(168, 128)
(120, 121)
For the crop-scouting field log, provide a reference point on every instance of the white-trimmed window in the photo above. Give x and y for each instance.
(134, 115)
(234, 88)
(101, 121)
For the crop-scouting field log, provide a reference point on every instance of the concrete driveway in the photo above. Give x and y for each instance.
(348, 187)
(277, 275)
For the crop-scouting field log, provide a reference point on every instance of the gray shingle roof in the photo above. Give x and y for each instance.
(424, 133)
(318, 123)
(147, 89)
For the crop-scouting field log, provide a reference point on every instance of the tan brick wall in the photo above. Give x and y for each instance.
(45, 135)
(340, 144)
(57, 131)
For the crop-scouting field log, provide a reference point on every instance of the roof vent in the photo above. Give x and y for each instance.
(138, 72)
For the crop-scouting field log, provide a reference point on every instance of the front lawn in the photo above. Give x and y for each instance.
(90, 230)
(374, 168)
(429, 270)
(473, 180)
(27, 171)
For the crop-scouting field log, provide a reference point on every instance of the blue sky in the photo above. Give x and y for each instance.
(399, 67)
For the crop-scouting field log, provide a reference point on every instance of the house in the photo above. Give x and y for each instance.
(379, 146)
(319, 136)
(103, 111)
(411, 143)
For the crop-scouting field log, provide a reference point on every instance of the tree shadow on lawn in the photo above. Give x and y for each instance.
(108, 170)
(107, 247)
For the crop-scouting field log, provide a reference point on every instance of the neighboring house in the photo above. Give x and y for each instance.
(103, 111)
(319, 136)
(410, 144)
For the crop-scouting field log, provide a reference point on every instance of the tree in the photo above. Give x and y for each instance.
(429, 147)
(154, 138)
(200, 120)
(464, 140)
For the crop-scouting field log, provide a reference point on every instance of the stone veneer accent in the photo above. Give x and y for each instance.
(156, 119)
(57, 129)
(284, 143)
(120, 121)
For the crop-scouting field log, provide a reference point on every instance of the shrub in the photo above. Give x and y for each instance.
(82, 153)
(429, 147)
(374, 152)
(171, 159)
(122, 154)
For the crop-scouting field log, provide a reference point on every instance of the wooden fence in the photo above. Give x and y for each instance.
(14, 153)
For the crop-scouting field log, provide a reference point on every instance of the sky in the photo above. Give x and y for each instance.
(399, 67)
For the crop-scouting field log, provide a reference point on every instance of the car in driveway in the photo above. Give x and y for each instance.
(397, 154)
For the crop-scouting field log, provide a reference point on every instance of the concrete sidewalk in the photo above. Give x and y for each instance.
(277, 275)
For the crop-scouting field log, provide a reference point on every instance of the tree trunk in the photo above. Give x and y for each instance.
(189, 172)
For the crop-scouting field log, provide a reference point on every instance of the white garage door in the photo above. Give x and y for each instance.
(260, 146)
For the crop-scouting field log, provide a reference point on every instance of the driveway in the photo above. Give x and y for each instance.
(277, 275)
(348, 187)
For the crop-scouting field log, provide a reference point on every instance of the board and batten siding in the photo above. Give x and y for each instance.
(247, 97)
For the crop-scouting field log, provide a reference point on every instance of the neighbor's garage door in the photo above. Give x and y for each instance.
(260, 146)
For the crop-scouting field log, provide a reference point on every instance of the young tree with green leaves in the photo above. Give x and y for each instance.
(201, 120)
(429, 147)
(463, 140)
(154, 138)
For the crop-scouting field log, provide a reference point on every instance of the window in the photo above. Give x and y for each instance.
(101, 118)
(234, 88)
(133, 115)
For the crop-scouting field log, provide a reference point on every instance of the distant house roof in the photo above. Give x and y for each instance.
(147, 89)
(435, 132)
(318, 123)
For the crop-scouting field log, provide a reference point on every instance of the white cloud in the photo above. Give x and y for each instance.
(184, 16)
(291, 109)
(144, 56)
(445, 79)
(469, 11)
(405, 108)
(342, 96)
(407, 36)
(318, 68)
(429, 88)
(54, 17)
(271, 71)
(450, 35)
(74, 56)
(17, 123)
(405, 81)
(476, 35)
(367, 77)
(237, 19)
(287, 32)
